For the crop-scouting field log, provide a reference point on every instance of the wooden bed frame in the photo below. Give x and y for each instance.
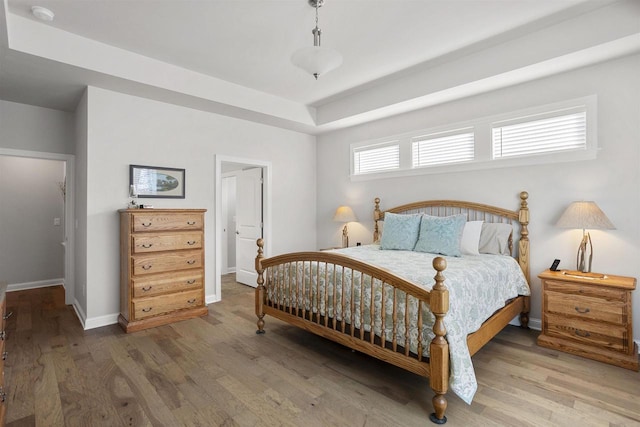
(436, 367)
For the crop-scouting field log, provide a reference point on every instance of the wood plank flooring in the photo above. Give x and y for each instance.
(215, 371)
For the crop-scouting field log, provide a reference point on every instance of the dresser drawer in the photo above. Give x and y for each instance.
(166, 283)
(162, 222)
(164, 262)
(587, 332)
(586, 307)
(143, 243)
(162, 304)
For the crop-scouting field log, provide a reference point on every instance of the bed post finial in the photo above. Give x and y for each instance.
(376, 217)
(439, 347)
(260, 288)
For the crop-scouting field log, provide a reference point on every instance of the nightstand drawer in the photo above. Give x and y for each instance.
(587, 332)
(585, 307)
(608, 294)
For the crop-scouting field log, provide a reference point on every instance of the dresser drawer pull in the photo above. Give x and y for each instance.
(147, 288)
(191, 242)
(191, 261)
(3, 335)
(147, 245)
(191, 301)
(582, 310)
(146, 310)
(191, 223)
(581, 333)
(191, 282)
(6, 316)
(4, 355)
(147, 267)
(146, 224)
(3, 395)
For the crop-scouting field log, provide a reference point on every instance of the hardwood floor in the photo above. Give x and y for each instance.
(215, 371)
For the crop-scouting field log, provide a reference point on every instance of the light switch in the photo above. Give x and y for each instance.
(56, 221)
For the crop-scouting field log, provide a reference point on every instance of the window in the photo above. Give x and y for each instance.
(558, 131)
(370, 159)
(436, 149)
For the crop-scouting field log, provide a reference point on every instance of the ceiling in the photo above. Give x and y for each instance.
(240, 49)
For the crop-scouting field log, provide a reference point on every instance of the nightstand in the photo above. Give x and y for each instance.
(589, 317)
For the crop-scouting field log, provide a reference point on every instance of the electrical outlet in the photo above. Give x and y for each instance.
(56, 221)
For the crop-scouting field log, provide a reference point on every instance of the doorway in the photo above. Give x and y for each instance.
(242, 216)
(64, 188)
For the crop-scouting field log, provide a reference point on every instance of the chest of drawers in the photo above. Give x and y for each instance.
(590, 317)
(161, 267)
(3, 353)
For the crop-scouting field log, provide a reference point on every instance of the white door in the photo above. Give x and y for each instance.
(248, 223)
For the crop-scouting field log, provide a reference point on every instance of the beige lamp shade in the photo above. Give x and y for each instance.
(344, 214)
(585, 215)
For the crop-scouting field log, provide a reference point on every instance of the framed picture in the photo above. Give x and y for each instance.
(156, 182)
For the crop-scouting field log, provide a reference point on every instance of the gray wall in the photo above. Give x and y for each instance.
(30, 243)
(25, 127)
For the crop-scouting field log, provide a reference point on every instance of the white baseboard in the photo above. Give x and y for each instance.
(79, 312)
(98, 322)
(210, 299)
(34, 285)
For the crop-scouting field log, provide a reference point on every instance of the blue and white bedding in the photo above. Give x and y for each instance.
(478, 286)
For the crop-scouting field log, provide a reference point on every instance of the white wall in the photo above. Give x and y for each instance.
(80, 140)
(612, 180)
(124, 130)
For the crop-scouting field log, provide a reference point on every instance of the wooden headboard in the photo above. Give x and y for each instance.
(519, 219)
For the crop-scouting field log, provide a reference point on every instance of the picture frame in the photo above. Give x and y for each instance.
(157, 182)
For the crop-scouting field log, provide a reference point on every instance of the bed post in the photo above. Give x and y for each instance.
(377, 214)
(439, 347)
(523, 252)
(260, 288)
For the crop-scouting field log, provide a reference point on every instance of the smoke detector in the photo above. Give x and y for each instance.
(42, 13)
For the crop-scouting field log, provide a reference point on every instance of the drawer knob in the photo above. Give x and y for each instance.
(147, 245)
(582, 310)
(3, 335)
(191, 223)
(147, 288)
(581, 333)
(146, 310)
(147, 267)
(6, 316)
(191, 282)
(191, 242)
(3, 395)
(191, 301)
(4, 355)
(191, 261)
(146, 224)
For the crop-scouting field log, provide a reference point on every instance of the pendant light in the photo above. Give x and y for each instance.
(316, 60)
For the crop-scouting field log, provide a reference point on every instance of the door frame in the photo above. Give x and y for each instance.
(266, 212)
(69, 213)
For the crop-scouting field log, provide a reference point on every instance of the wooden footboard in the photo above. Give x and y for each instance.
(335, 297)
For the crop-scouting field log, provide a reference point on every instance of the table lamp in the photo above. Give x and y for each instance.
(345, 214)
(585, 215)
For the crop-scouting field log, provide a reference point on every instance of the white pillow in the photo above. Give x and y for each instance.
(471, 238)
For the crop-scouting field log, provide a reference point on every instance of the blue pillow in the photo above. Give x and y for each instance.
(441, 234)
(400, 232)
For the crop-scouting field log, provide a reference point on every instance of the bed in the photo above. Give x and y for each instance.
(386, 301)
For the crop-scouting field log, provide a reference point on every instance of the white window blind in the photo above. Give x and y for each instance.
(380, 158)
(430, 150)
(566, 131)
